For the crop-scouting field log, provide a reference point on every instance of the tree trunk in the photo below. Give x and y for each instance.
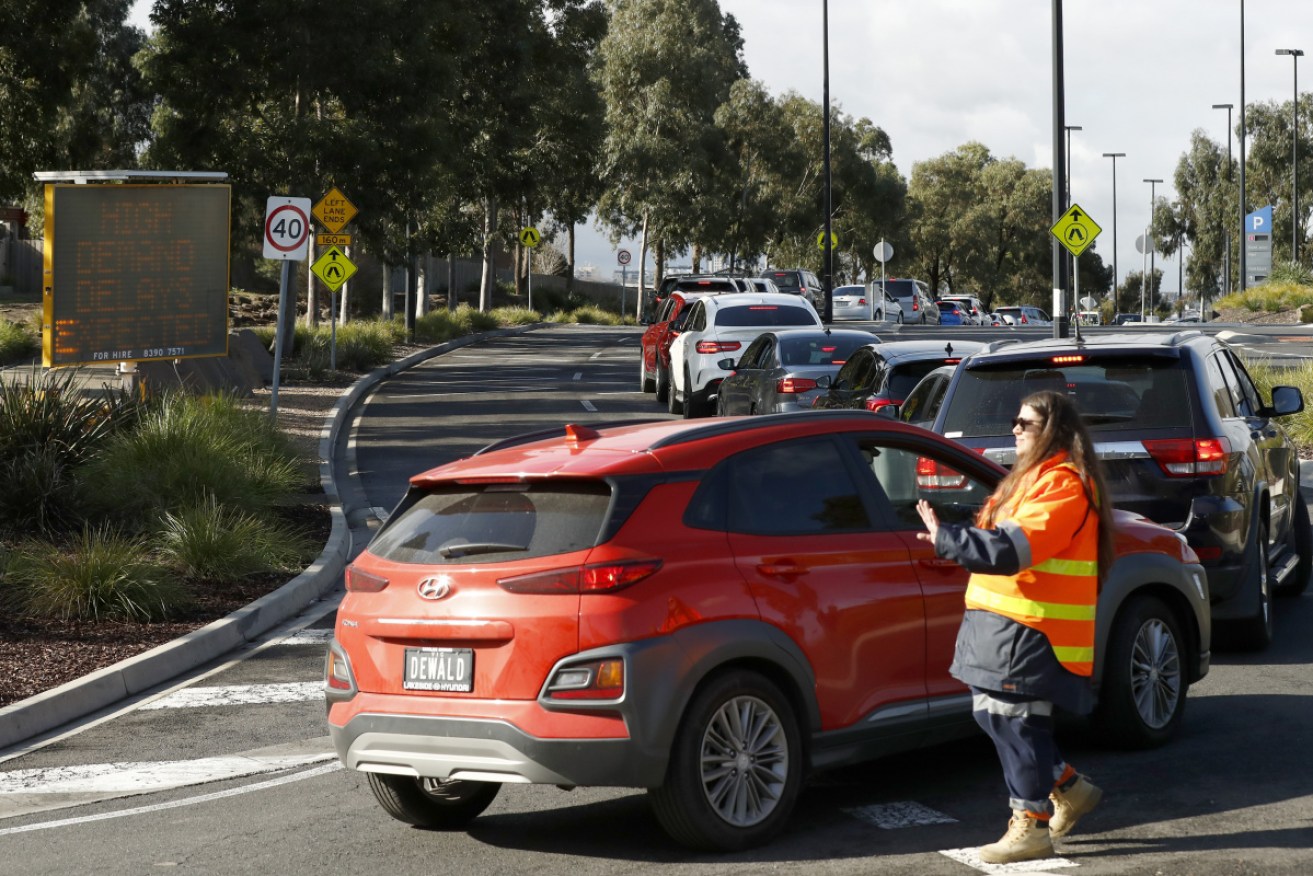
(697, 258)
(343, 308)
(387, 292)
(311, 292)
(489, 280)
(660, 259)
(642, 270)
(569, 262)
(521, 252)
(452, 295)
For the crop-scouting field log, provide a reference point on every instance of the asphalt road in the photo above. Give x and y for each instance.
(230, 771)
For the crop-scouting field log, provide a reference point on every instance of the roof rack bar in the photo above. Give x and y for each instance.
(555, 431)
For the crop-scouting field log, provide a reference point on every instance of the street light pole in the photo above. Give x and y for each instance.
(1059, 183)
(1226, 235)
(1295, 55)
(827, 273)
(1075, 262)
(1149, 238)
(1244, 208)
(1114, 156)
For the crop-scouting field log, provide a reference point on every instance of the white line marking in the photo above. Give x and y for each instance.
(588, 406)
(239, 695)
(598, 354)
(577, 375)
(892, 816)
(144, 777)
(971, 857)
(312, 637)
(204, 798)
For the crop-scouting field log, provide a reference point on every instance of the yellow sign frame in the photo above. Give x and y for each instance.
(1075, 230)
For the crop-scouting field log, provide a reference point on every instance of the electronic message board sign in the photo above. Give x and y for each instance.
(135, 272)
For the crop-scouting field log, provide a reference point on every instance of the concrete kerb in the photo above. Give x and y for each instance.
(105, 687)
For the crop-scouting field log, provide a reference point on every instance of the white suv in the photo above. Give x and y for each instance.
(719, 326)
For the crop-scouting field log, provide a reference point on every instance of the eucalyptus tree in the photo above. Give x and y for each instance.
(666, 67)
(1268, 168)
(69, 94)
(1205, 208)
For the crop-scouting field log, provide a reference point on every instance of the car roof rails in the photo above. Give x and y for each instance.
(1181, 337)
(554, 432)
(997, 345)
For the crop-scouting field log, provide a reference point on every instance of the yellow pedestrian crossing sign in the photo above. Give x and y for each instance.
(529, 236)
(334, 268)
(1075, 230)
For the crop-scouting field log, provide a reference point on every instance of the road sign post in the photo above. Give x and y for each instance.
(883, 252)
(1076, 231)
(529, 237)
(623, 258)
(286, 237)
(334, 211)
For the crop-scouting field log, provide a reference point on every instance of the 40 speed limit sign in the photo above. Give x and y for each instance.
(286, 228)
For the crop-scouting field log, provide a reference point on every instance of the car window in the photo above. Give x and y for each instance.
(818, 351)
(764, 315)
(1111, 392)
(854, 370)
(922, 403)
(904, 290)
(903, 378)
(794, 488)
(752, 356)
(787, 281)
(725, 285)
(1252, 404)
(1219, 388)
(905, 476)
(870, 379)
(446, 523)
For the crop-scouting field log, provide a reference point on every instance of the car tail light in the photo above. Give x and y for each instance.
(717, 346)
(358, 581)
(1067, 360)
(1186, 458)
(598, 680)
(874, 404)
(861, 300)
(916, 305)
(794, 385)
(931, 475)
(1024, 321)
(597, 578)
(337, 674)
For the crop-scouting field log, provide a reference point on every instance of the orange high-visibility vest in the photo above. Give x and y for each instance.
(1056, 590)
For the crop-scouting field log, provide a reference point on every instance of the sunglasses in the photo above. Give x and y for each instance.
(1023, 424)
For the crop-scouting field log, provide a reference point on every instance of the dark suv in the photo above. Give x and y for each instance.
(708, 610)
(1185, 440)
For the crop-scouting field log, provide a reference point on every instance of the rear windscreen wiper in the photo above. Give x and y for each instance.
(482, 547)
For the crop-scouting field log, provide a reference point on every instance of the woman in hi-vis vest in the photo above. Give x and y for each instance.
(1037, 555)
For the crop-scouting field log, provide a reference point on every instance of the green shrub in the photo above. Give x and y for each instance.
(1268, 374)
(186, 449)
(38, 490)
(1276, 295)
(591, 314)
(16, 342)
(100, 575)
(1290, 273)
(210, 542)
(515, 316)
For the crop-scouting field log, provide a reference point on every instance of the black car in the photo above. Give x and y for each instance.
(778, 371)
(883, 374)
(1185, 440)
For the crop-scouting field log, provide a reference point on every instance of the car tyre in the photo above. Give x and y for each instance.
(900, 317)
(645, 383)
(1142, 698)
(432, 803)
(1301, 542)
(1256, 632)
(690, 406)
(878, 316)
(662, 384)
(736, 766)
(673, 404)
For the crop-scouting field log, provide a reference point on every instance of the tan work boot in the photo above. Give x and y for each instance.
(1071, 804)
(1027, 839)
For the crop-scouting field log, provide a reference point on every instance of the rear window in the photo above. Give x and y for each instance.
(904, 378)
(787, 281)
(463, 524)
(818, 351)
(764, 315)
(904, 289)
(1112, 393)
(707, 286)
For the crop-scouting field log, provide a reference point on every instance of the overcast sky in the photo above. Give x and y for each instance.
(1141, 75)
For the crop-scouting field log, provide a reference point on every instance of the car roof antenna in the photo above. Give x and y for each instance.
(948, 349)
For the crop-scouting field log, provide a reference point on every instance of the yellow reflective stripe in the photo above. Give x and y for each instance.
(1028, 607)
(1074, 655)
(1055, 566)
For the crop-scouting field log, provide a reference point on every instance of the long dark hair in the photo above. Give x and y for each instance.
(1062, 429)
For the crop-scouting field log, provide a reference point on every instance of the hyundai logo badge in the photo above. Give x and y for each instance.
(435, 588)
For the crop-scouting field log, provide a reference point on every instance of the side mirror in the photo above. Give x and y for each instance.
(824, 381)
(1286, 400)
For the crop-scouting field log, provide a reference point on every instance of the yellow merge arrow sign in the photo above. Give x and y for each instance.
(1075, 230)
(333, 268)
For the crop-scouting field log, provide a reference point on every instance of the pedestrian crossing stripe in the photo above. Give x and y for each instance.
(238, 695)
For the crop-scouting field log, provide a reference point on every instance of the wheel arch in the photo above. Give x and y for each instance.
(1158, 576)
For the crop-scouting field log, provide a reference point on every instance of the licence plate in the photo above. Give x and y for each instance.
(442, 669)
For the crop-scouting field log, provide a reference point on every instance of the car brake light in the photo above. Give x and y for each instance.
(931, 475)
(597, 578)
(1185, 458)
(794, 385)
(951, 361)
(705, 347)
(337, 674)
(598, 680)
(1023, 319)
(916, 305)
(861, 300)
(1067, 360)
(874, 404)
(358, 581)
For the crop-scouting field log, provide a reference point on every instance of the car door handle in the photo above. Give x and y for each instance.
(780, 570)
(937, 563)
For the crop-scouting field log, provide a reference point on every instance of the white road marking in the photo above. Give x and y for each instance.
(204, 798)
(892, 816)
(238, 695)
(316, 637)
(599, 354)
(146, 776)
(588, 406)
(577, 375)
(971, 857)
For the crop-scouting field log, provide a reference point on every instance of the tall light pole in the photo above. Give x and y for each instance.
(1059, 184)
(1226, 234)
(1075, 262)
(1244, 206)
(1295, 55)
(1114, 156)
(1149, 238)
(827, 274)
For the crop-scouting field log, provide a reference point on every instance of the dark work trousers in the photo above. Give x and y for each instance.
(1022, 730)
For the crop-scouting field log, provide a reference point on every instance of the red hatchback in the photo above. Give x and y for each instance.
(708, 610)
